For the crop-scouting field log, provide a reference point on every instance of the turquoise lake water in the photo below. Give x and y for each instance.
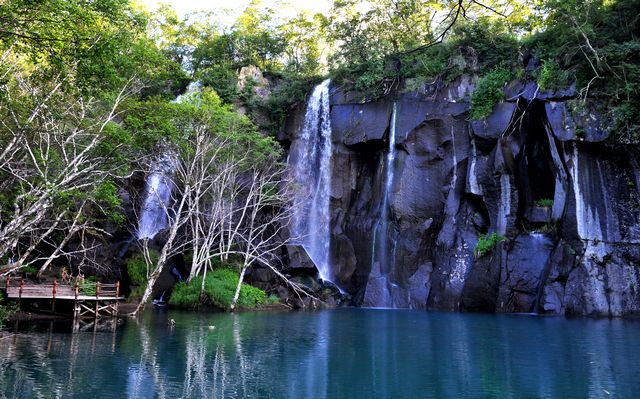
(346, 353)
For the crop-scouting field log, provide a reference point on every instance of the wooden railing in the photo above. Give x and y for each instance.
(18, 288)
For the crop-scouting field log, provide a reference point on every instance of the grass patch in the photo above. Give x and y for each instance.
(219, 289)
(546, 229)
(544, 202)
(486, 243)
(488, 92)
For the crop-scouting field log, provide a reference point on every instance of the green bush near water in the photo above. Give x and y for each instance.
(137, 270)
(5, 311)
(219, 289)
(486, 243)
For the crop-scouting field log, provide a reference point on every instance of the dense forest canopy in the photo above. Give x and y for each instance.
(87, 89)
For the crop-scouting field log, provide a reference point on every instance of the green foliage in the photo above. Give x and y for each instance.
(139, 272)
(253, 40)
(5, 310)
(106, 195)
(222, 78)
(272, 300)
(595, 44)
(381, 46)
(187, 295)
(545, 202)
(101, 45)
(290, 92)
(88, 288)
(155, 122)
(551, 77)
(219, 289)
(365, 38)
(30, 270)
(547, 229)
(486, 243)
(488, 92)
(487, 43)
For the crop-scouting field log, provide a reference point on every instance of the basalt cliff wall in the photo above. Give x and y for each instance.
(539, 172)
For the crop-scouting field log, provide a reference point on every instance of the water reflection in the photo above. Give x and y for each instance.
(329, 354)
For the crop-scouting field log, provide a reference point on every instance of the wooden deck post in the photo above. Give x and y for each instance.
(20, 290)
(117, 296)
(97, 301)
(7, 283)
(53, 301)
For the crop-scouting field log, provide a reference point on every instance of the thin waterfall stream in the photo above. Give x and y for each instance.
(312, 175)
(383, 244)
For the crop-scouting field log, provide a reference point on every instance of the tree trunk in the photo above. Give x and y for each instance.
(237, 294)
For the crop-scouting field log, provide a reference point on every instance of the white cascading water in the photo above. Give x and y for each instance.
(312, 175)
(154, 212)
(382, 246)
(155, 209)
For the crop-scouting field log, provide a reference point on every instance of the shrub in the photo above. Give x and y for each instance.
(544, 202)
(272, 300)
(486, 243)
(187, 295)
(88, 288)
(551, 76)
(488, 92)
(29, 270)
(292, 90)
(223, 79)
(137, 270)
(5, 311)
(219, 289)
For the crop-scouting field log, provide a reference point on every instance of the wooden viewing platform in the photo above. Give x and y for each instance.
(105, 297)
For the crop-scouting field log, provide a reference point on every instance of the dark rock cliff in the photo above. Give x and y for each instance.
(455, 180)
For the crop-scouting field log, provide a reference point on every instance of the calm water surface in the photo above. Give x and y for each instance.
(350, 353)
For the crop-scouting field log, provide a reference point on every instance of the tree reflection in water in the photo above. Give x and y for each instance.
(327, 354)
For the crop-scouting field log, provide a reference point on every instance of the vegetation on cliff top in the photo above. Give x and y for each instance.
(593, 44)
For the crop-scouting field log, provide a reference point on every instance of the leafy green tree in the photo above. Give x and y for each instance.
(303, 36)
(67, 68)
(97, 46)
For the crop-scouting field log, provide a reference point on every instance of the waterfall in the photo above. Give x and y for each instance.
(311, 160)
(154, 211)
(383, 245)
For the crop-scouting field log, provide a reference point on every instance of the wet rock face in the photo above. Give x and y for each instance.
(522, 273)
(535, 172)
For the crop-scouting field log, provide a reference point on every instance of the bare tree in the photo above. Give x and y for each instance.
(224, 204)
(51, 161)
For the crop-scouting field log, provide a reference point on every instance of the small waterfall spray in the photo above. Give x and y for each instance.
(383, 244)
(312, 173)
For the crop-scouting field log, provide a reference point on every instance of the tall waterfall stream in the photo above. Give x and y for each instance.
(312, 175)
